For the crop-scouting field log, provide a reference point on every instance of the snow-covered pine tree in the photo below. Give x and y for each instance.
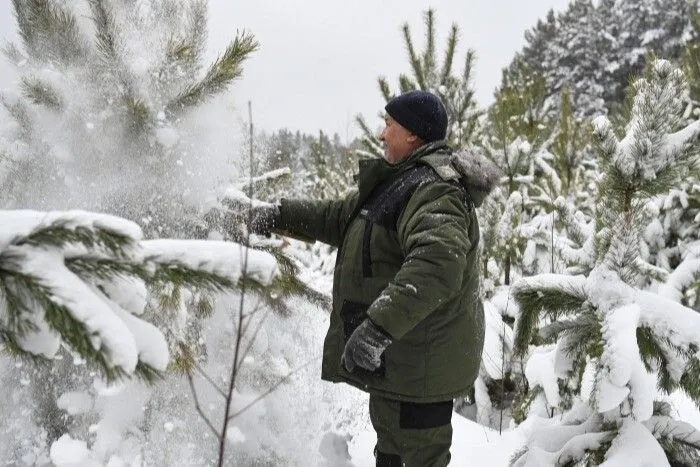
(106, 110)
(455, 91)
(566, 169)
(609, 341)
(517, 129)
(671, 237)
(566, 162)
(596, 48)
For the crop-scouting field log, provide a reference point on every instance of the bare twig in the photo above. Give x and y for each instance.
(239, 328)
(255, 334)
(272, 389)
(199, 409)
(209, 379)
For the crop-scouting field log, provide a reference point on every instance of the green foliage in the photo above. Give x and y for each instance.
(105, 31)
(569, 147)
(519, 114)
(100, 254)
(691, 60)
(49, 31)
(41, 93)
(554, 300)
(503, 243)
(225, 69)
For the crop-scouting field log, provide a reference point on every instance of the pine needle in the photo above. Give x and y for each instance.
(225, 69)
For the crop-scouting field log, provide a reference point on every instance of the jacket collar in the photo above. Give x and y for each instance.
(375, 171)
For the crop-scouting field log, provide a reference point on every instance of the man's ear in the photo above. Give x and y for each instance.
(415, 141)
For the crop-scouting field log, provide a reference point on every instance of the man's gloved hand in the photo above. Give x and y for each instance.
(365, 347)
(262, 219)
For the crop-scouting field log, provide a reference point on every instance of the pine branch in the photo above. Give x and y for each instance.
(14, 323)
(679, 440)
(384, 88)
(369, 140)
(89, 267)
(429, 53)
(147, 373)
(180, 52)
(552, 298)
(106, 31)
(224, 70)
(13, 53)
(49, 31)
(41, 93)
(416, 65)
(284, 285)
(405, 84)
(452, 40)
(690, 381)
(29, 293)
(21, 113)
(180, 274)
(60, 233)
(467, 76)
(137, 112)
(553, 330)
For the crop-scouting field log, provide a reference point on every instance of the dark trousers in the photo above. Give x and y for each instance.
(411, 434)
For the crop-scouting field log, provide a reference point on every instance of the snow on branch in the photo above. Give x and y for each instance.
(685, 274)
(81, 278)
(554, 444)
(553, 294)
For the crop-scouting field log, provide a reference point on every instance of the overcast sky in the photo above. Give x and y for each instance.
(319, 59)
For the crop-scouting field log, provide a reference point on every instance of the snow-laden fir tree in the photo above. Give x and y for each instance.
(455, 90)
(563, 168)
(609, 345)
(516, 131)
(108, 109)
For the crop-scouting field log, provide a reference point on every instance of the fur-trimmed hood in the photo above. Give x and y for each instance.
(478, 173)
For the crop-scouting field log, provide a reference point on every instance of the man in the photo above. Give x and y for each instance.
(407, 323)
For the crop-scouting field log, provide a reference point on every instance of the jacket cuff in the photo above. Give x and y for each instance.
(287, 220)
(380, 329)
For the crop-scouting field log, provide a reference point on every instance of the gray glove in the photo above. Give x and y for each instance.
(365, 347)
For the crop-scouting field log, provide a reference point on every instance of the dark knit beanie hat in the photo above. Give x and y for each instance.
(421, 113)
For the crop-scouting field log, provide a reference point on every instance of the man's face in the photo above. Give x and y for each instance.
(398, 141)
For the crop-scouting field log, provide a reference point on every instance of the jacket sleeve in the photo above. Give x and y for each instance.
(434, 234)
(313, 220)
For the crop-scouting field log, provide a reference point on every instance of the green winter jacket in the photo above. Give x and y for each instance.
(408, 259)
